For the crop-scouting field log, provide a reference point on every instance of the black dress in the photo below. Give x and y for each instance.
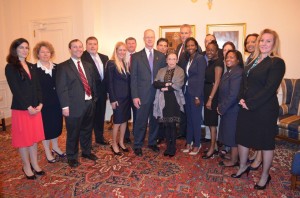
(171, 111)
(211, 116)
(51, 111)
(257, 127)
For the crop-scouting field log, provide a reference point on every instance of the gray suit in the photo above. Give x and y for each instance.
(71, 94)
(142, 88)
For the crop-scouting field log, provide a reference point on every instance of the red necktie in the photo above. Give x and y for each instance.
(84, 80)
(182, 50)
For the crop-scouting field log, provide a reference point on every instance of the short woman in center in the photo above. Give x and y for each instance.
(169, 100)
(213, 74)
(119, 95)
(195, 73)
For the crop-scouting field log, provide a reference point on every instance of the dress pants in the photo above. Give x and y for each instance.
(79, 129)
(170, 129)
(99, 117)
(194, 119)
(182, 124)
(144, 113)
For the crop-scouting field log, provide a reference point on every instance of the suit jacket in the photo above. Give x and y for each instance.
(26, 91)
(141, 86)
(196, 76)
(184, 58)
(118, 84)
(100, 84)
(259, 89)
(70, 89)
(229, 89)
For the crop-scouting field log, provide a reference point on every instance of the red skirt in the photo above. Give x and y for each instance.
(26, 129)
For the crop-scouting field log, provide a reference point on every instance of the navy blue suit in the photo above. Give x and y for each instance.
(142, 88)
(195, 78)
(228, 105)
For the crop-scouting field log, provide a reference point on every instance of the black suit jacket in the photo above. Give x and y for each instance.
(141, 86)
(100, 84)
(69, 86)
(26, 91)
(118, 84)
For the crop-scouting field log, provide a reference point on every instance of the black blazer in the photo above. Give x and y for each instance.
(141, 86)
(118, 84)
(101, 85)
(69, 87)
(259, 89)
(229, 89)
(26, 91)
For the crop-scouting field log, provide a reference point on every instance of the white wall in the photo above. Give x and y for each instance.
(115, 20)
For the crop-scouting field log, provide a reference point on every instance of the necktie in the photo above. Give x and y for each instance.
(84, 81)
(182, 50)
(150, 59)
(98, 66)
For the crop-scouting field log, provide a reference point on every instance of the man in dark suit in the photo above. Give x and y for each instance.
(76, 91)
(144, 67)
(185, 32)
(98, 62)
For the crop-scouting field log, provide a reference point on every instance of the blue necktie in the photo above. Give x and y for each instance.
(150, 59)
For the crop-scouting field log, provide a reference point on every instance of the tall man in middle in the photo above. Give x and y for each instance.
(98, 62)
(144, 67)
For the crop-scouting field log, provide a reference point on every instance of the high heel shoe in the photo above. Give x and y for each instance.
(116, 153)
(37, 172)
(187, 149)
(51, 161)
(60, 155)
(32, 177)
(255, 168)
(209, 156)
(247, 170)
(195, 152)
(257, 187)
(123, 149)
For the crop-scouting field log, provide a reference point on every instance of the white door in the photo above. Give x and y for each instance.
(57, 31)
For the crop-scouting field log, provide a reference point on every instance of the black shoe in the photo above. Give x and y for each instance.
(90, 156)
(60, 155)
(257, 187)
(116, 153)
(138, 152)
(209, 156)
(102, 142)
(159, 140)
(255, 168)
(32, 177)
(154, 148)
(123, 149)
(73, 163)
(168, 154)
(127, 140)
(51, 161)
(247, 170)
(180, 137)
(37, 172)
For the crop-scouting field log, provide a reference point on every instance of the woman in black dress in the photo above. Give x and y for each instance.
(169, 100)
(257, 119)
(119, 95)
(213, 74)
(51, 112)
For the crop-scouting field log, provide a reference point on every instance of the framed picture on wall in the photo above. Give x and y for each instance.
(234, 32)
(172, 34)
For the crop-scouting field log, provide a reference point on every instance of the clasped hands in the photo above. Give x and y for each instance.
(243, 104)
(35, 110)
(166, 86)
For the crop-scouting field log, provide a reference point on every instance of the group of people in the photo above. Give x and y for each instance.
(163, 88)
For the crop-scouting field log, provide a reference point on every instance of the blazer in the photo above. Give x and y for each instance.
(141, 86)
(69, 86)
(229, 89)
(26, 91)
(196, 76)
(259, 88)
(101, 85)
(118, 84)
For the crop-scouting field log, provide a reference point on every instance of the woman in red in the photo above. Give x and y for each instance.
(27, 127)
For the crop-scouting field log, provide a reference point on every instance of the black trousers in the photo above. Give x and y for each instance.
(98, 123)
(170, 132)
(182, 124)
(79, 129)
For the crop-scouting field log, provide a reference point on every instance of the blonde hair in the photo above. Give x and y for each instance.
(275, 51)
(115, 58)
(39, 45)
